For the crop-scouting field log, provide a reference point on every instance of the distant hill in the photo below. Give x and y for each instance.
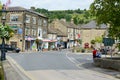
(78, 16)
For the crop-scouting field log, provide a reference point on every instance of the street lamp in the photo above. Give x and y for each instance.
(3, 19)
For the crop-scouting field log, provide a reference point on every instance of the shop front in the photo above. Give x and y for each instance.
(30, 43)
(49, 44)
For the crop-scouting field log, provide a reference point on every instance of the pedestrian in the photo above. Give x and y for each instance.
(58, 46)
(94, 52)
(98, 54)
(41, 47)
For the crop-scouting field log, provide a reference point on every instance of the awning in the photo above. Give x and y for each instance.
(48, 40)
(29, 38)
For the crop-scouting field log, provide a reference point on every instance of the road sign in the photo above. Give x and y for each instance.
(108, 41)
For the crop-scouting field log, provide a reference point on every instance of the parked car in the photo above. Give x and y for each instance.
(10, 48)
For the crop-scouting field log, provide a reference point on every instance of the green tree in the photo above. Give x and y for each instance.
(108, 12)
(0, 8)
(68, 17)
(79, 16)
(76, 20)
(6, 32)
(98, 39)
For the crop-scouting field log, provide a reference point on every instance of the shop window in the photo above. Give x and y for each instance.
(14, 44)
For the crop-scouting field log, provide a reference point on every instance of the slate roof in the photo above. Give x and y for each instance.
(17, 8)
(60, 33)
(68, 24)
(64, 23)
(93, 24)
(72, 25)
(53, 30)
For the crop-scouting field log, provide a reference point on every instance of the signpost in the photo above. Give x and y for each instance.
(109, 42)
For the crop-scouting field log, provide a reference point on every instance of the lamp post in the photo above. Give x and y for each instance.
(3, 54)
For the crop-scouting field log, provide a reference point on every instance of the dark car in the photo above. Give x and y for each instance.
(10, 48)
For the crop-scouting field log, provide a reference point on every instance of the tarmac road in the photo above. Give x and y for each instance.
(61, 65)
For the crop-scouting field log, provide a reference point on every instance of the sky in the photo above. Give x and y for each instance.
(52, 4)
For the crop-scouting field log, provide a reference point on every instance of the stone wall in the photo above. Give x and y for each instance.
(109, 63)
(90, 34)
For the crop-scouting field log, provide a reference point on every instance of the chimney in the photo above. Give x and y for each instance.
(32, 8)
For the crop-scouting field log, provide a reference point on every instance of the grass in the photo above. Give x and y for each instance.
(1, 72)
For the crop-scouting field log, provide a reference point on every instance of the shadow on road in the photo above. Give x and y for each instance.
(92, 67)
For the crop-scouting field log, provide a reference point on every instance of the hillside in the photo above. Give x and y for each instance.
(78, 16)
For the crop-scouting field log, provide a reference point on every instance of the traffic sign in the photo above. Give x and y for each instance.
(108, 41)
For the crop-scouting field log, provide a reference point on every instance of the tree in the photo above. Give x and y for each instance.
(79, 16)
(98, 39)
(68, 17)
(76, 20)
(107, 12)
(6, 32)
(0, 8)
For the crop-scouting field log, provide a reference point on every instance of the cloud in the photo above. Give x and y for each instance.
(52, 4)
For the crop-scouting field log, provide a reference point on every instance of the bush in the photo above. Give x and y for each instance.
(78, 49)
(82, 50)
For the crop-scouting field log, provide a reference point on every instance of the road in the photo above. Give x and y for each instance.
(56, 65)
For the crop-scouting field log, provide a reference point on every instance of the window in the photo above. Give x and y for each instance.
(40, 21)
(16, 31)
(45, 22)
(44, 31)
(34, 20)
(27, 31)
(33, 32)
(39, 32)
(14, 17)
(13, 44)
(27, 20)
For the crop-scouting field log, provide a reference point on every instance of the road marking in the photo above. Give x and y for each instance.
(73, 61)
(69, 58)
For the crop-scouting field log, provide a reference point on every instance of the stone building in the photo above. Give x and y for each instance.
(66, 31)
(28, 26)
(90, 31)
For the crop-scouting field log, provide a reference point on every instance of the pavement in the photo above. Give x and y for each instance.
(14, 72)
